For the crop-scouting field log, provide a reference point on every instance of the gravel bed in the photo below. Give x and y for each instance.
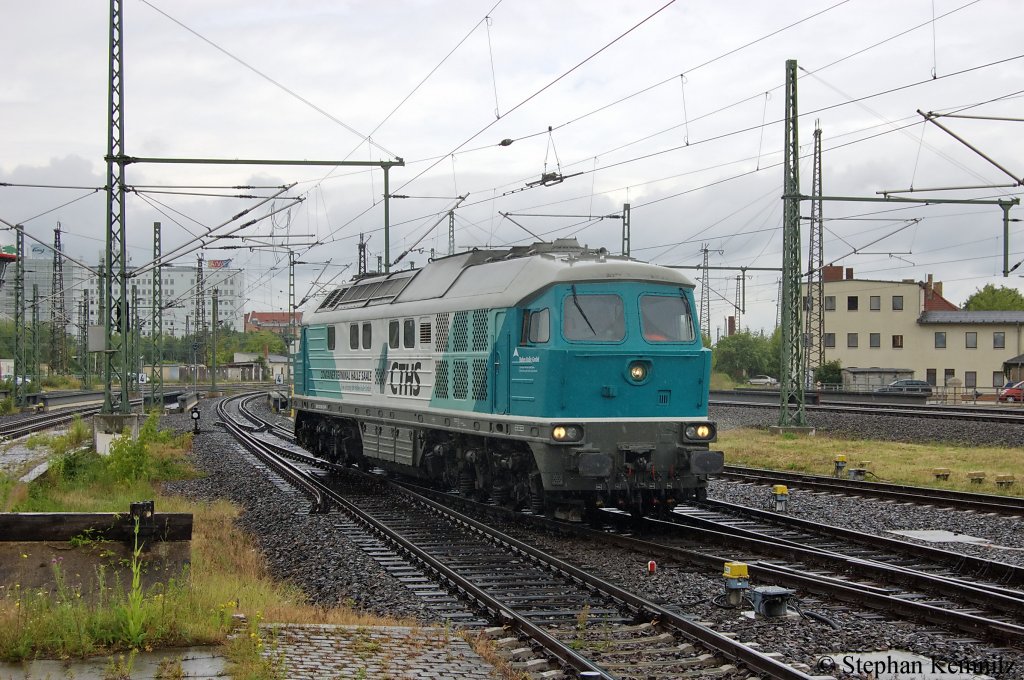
(691, 592)
(882, 428)
(879, 517)
(301, 548)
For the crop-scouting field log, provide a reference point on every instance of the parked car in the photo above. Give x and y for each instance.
(906, 387)
(1014, 392)
(763, 380)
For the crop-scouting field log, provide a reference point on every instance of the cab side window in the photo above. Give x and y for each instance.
(537, 325)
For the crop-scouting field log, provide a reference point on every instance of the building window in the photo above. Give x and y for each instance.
(875, 302)
(851, 339)
(997, 378)
(971, 339)
(330, 337)
(830, 303)
(897, 303)
(875, 339)
(949, 374)
(970, 379)
(897, 342)
(930, 376)
(852, 301)
(367, 335)
(830, 339)
(999, 340)
(940, 340)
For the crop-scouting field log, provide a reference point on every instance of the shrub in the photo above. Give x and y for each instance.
(129, 458)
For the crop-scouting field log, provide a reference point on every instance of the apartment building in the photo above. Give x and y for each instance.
(909, 325)
(178, 288)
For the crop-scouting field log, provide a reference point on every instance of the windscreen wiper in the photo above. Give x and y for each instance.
(576, 301)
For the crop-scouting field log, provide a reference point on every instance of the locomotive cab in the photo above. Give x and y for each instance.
(620, 369)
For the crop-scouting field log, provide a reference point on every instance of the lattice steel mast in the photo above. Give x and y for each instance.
(58, 312)
(199, 312)
(115, 317)
(815, 333)
(739, 303)
(20, 358)
(791, 382)
(705, 296)
(157, 327)
(626, 235)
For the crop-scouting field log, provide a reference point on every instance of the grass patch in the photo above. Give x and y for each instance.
(896, 462)
(227, 574)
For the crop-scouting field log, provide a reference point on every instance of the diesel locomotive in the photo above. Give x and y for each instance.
(550, 376)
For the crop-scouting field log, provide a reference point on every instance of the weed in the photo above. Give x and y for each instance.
(131, 614)
(581, 620)
(120, 668)
(170, 669)
(364, 645)
(85, 539)
(249, 656)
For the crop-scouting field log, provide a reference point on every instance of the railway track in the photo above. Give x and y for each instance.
(986, 414)
(28, 424)
(959, 591)
(558, 611)
(898, 585)
(959, 500)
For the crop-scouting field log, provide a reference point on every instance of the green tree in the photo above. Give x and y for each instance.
(990, 298)
(829, 373)
(744, 354)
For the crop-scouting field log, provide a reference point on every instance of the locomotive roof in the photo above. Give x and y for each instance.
(492, 278)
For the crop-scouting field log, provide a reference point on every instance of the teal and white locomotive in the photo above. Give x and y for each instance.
(551, 376)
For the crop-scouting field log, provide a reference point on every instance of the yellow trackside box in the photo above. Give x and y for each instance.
(780, 490)
(735, 570)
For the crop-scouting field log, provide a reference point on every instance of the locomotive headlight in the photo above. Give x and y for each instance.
(638, 371)
(700, 432)
(567, 433)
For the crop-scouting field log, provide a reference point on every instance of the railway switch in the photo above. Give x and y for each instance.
(736, 582)
(840, 461)
(771, 601)
(780, 495)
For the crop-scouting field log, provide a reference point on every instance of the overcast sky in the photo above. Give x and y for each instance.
(675, 109)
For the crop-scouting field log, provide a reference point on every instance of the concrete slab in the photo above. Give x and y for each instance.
(940, 536)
